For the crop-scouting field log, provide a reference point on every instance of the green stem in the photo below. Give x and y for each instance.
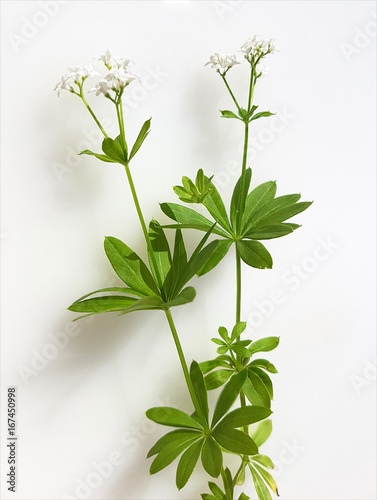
(183, 362)
(143, 225)
(241, 203)
(230, 92)
(238, 287)
(92, 114)
(119, 109)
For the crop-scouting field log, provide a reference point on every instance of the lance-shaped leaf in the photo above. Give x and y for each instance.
(179, 260)
(238, 328)
(265, 364)
(177, 437)
(215, 206)
(161, 255)
(265, 379)
(212, 457)
(225, 113)
(259, 197)
(99, 305)
(216, 490)
(246, 415)
(172, 417)
(145, 304)
(217, 378)
(199, 389)
(145, 129)
(113, 149)
(207, 366)
(101, 157)
(228, 395)
(264, 345)
(168, 454)
(235, 440)
(264, 460)
(129, 267)
(267, 478)
(228, 483)
(118, 289)
(254, 254)
(262, 114)
(188, 218)
(187, 464)
(255, 390)
(187, 295)
(216, 256)
(262, 432)
(235, 202)
(276, 230)
(260, 487)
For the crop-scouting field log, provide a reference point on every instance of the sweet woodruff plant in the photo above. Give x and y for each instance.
(239, 423)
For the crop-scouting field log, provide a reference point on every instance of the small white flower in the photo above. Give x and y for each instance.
(101, 87)
(112, 61)
(221, 62)
(74, 75)
(258, 48)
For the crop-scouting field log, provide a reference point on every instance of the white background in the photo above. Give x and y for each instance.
(85, 405)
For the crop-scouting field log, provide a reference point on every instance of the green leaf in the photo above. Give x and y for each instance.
(235, 440)
(228, 395)
(179, 262)
(187, 464)
(263, 363)
(119, 289)
(217, 378)
(238, 328)
(212, 457)
(206, 496)
(172, 417)
(197, 259)
(243, 496)
(265, 379)
(254, 254)
(260, 487)
(187, 295)
(222, 350)
(228, 114)
(217, 341)
(216, 490)
(113, 149)
(207, 366)
(256, 391)
(215, 206)
(264, 345)
(240, 477)
(199, 388)
(162, 257)
(267, 478)
(261, 115)
(273, 231)
(259, 197)
(228, 484)
(177, 437)
(239, 349)
(216, 256)
(275, 215)
(262, 432)
(129, 267)
(223, 332)
(104, 158)
(189, 218)
(169, 453)
(145, 304)
(264, 460)
(246, 415)
(236, 198)
(144, 131)
(99, 305)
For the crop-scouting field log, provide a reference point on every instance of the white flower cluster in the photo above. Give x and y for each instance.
(221, 62)
(74, 75)
(258, 48)
(120, 74)
(252, 48)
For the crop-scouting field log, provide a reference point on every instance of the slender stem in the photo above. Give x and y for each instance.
(230, 92)
(119, 109)
(143, 225)
(241, 203)
(92, 113)
(238, 285)
(183, 362)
